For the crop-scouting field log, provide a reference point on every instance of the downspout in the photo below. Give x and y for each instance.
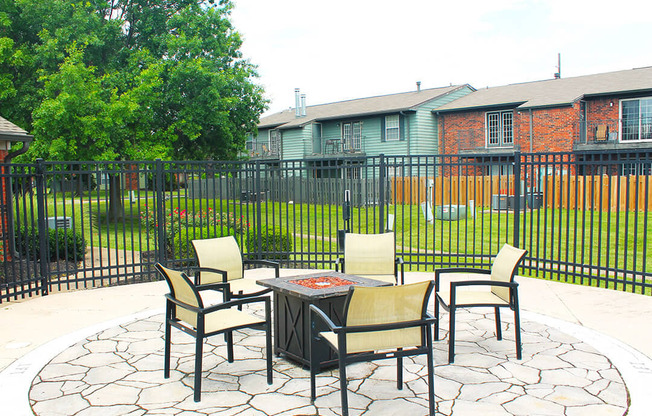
(407, 131)
(10, 212)
(531, 121)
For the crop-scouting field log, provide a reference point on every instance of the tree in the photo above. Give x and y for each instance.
(127, 79)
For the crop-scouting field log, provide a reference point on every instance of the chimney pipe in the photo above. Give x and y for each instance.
(297, 102)
(303, 105)
(418, 86)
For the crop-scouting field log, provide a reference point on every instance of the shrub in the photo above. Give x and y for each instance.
(274, 243)
(62, 244)
(180, 247)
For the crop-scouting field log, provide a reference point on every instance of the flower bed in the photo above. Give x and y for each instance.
(322, 282)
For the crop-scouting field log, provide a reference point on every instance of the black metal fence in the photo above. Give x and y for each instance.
(584, 218)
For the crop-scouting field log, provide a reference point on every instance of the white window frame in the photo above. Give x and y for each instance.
(274, 142)
(352, 135)
(638, 168)
(499, 129)
(644, 127)
(392, 128)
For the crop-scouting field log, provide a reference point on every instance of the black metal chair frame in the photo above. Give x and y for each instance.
(453, 306)
(199, 332)
(226, 290)
(340, 265)
(398, 264)
(319, 321)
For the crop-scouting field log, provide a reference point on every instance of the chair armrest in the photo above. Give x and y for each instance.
(451, 270)
(454, 285)
(339, 263)
(399, 262)
(386, 326)
(269, 263)
(182, 304)
(315, 312)
(214, 286)
(197, 270)
(238, 302)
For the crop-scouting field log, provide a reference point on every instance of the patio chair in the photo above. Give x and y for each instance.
(220, 260)
(601, 132)
(500, 292)
(379, 322)
(372, 256)
(185, 311)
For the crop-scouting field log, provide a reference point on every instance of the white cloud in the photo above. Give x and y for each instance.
(356, 48)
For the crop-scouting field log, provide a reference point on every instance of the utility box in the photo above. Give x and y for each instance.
(535, 200)
(511, 202)
(59, 223)
(450, 212)
(499, 201)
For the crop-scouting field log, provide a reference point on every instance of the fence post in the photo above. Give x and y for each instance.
(159, 200)
(259, 215)
(381, 193)
(44, 255)
(517, 197)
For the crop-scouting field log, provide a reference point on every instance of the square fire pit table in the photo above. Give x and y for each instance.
(292, 299)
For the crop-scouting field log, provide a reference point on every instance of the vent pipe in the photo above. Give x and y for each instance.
(303, 105)
(297, 102)
(418, 86)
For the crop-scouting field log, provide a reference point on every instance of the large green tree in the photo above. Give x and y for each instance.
(126, 79)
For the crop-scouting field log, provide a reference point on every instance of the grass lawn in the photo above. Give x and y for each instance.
(613, 241)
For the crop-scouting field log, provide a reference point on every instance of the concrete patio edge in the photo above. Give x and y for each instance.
(635, 367)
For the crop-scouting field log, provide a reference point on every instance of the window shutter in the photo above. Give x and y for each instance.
(401, 127)
(382, 129)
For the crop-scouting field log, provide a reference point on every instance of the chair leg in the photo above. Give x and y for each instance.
(431, 373)
(399, 371)
(436, 319)
(517, 329)
(314, 368)
(199, 344)
(268, 352)
(451, 334)
(499, 330)
(343, 386)
(229, 346)
(166, 353)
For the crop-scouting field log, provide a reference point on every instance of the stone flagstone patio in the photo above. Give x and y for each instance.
(119, 371)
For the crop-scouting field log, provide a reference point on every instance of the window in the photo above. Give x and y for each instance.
(637, 168)
(352, 135)
(274, 142)
(500, 129)
(392, 131)
(636, 119)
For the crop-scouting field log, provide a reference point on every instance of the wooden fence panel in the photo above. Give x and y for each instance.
(613, 193)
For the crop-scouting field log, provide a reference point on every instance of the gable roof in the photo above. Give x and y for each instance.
(382, 104)
(12, 133)
(555, 92)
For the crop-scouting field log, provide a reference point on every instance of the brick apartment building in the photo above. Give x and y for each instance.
(608, 114)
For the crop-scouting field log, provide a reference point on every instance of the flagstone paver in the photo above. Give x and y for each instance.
(118, 372)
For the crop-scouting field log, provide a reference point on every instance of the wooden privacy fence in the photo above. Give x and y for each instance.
(612, 193)
(450, 190)
(603, 193)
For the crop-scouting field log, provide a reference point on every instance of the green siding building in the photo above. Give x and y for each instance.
(395, 124)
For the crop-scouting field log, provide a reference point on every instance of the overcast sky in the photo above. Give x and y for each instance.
(342, 49)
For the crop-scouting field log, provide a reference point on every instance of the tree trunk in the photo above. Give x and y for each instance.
(116, 204)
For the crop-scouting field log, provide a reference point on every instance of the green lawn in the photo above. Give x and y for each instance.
(614, 240)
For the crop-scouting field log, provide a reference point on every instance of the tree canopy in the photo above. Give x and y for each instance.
(126, 79)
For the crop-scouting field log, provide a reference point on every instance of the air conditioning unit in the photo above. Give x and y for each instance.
(60, 223)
